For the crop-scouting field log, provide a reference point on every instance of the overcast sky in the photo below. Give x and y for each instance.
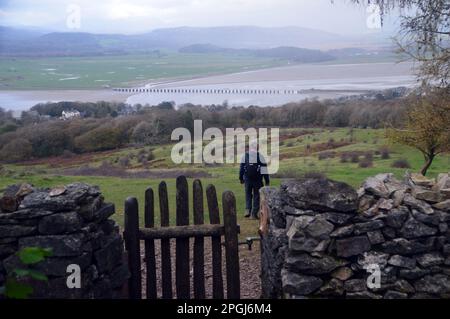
(135, 16)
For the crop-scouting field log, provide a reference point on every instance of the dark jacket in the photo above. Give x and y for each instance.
(261, 162)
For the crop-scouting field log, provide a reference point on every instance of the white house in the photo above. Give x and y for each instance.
(68, 115)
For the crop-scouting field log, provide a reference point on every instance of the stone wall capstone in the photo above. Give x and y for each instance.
(74, 222)
(320, 237)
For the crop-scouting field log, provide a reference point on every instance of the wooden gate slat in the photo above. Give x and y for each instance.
(150, 246)
(199, 259)
(182, 244)
(166, 265)
(133, 246)
(231, 245)
(216, 247)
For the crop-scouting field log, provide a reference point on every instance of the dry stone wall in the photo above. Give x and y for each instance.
(322, 239)
(74, 222)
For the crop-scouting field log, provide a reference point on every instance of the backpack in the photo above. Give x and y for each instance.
(252, 170)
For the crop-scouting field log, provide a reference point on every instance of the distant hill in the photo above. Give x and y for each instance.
(11, 34)
(13, 39)
(32, 43)
(59, 44)
(248, 37)
(289, 53)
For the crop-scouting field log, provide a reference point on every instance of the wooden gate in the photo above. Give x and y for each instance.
(182, 232)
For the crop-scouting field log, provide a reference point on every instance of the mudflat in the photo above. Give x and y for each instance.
(313, 80)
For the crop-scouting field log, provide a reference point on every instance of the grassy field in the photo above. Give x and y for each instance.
(301, 151)
(119, 71)
(381, 58)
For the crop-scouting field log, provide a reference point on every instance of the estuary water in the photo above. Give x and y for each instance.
(275, 86)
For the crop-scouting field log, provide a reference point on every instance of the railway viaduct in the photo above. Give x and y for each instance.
(207, 91)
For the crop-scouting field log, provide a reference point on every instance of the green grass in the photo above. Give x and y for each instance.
(119, 71)
(116, 190)
(225, 177)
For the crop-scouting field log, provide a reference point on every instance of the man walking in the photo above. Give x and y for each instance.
(252, 170)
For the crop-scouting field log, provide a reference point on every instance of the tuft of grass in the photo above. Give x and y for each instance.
(385, 152)
(365, 163)
(401, 163)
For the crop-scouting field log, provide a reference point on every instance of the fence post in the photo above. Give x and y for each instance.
(216, 246)
(131, 235)
(199, 247)
(150, 246)
(166, 264)
(182, 244)
(231, 244)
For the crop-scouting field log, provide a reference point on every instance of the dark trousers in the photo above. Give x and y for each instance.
(252, 196)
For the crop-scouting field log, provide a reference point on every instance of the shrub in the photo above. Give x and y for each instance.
(150, 156)
(166, 105)
(17, 150)
(67, 154)
(143, 161)
(141, 158)
(105, 164)
(47, 139)
(385, 153)
(354, 157)
(365, 163)
(18, 283)
(344, 157)
(132, 155)
(326, 155)
(8, 127)
(331, 141)
(124, 161)
(368, 156)
(100, 139)
(401, 163)
(144, 158)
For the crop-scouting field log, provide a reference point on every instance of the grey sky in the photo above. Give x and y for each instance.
(134, 16)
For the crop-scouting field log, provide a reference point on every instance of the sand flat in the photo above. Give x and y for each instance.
(313, 80)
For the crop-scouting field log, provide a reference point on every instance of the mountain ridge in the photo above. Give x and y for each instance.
(22, 42)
